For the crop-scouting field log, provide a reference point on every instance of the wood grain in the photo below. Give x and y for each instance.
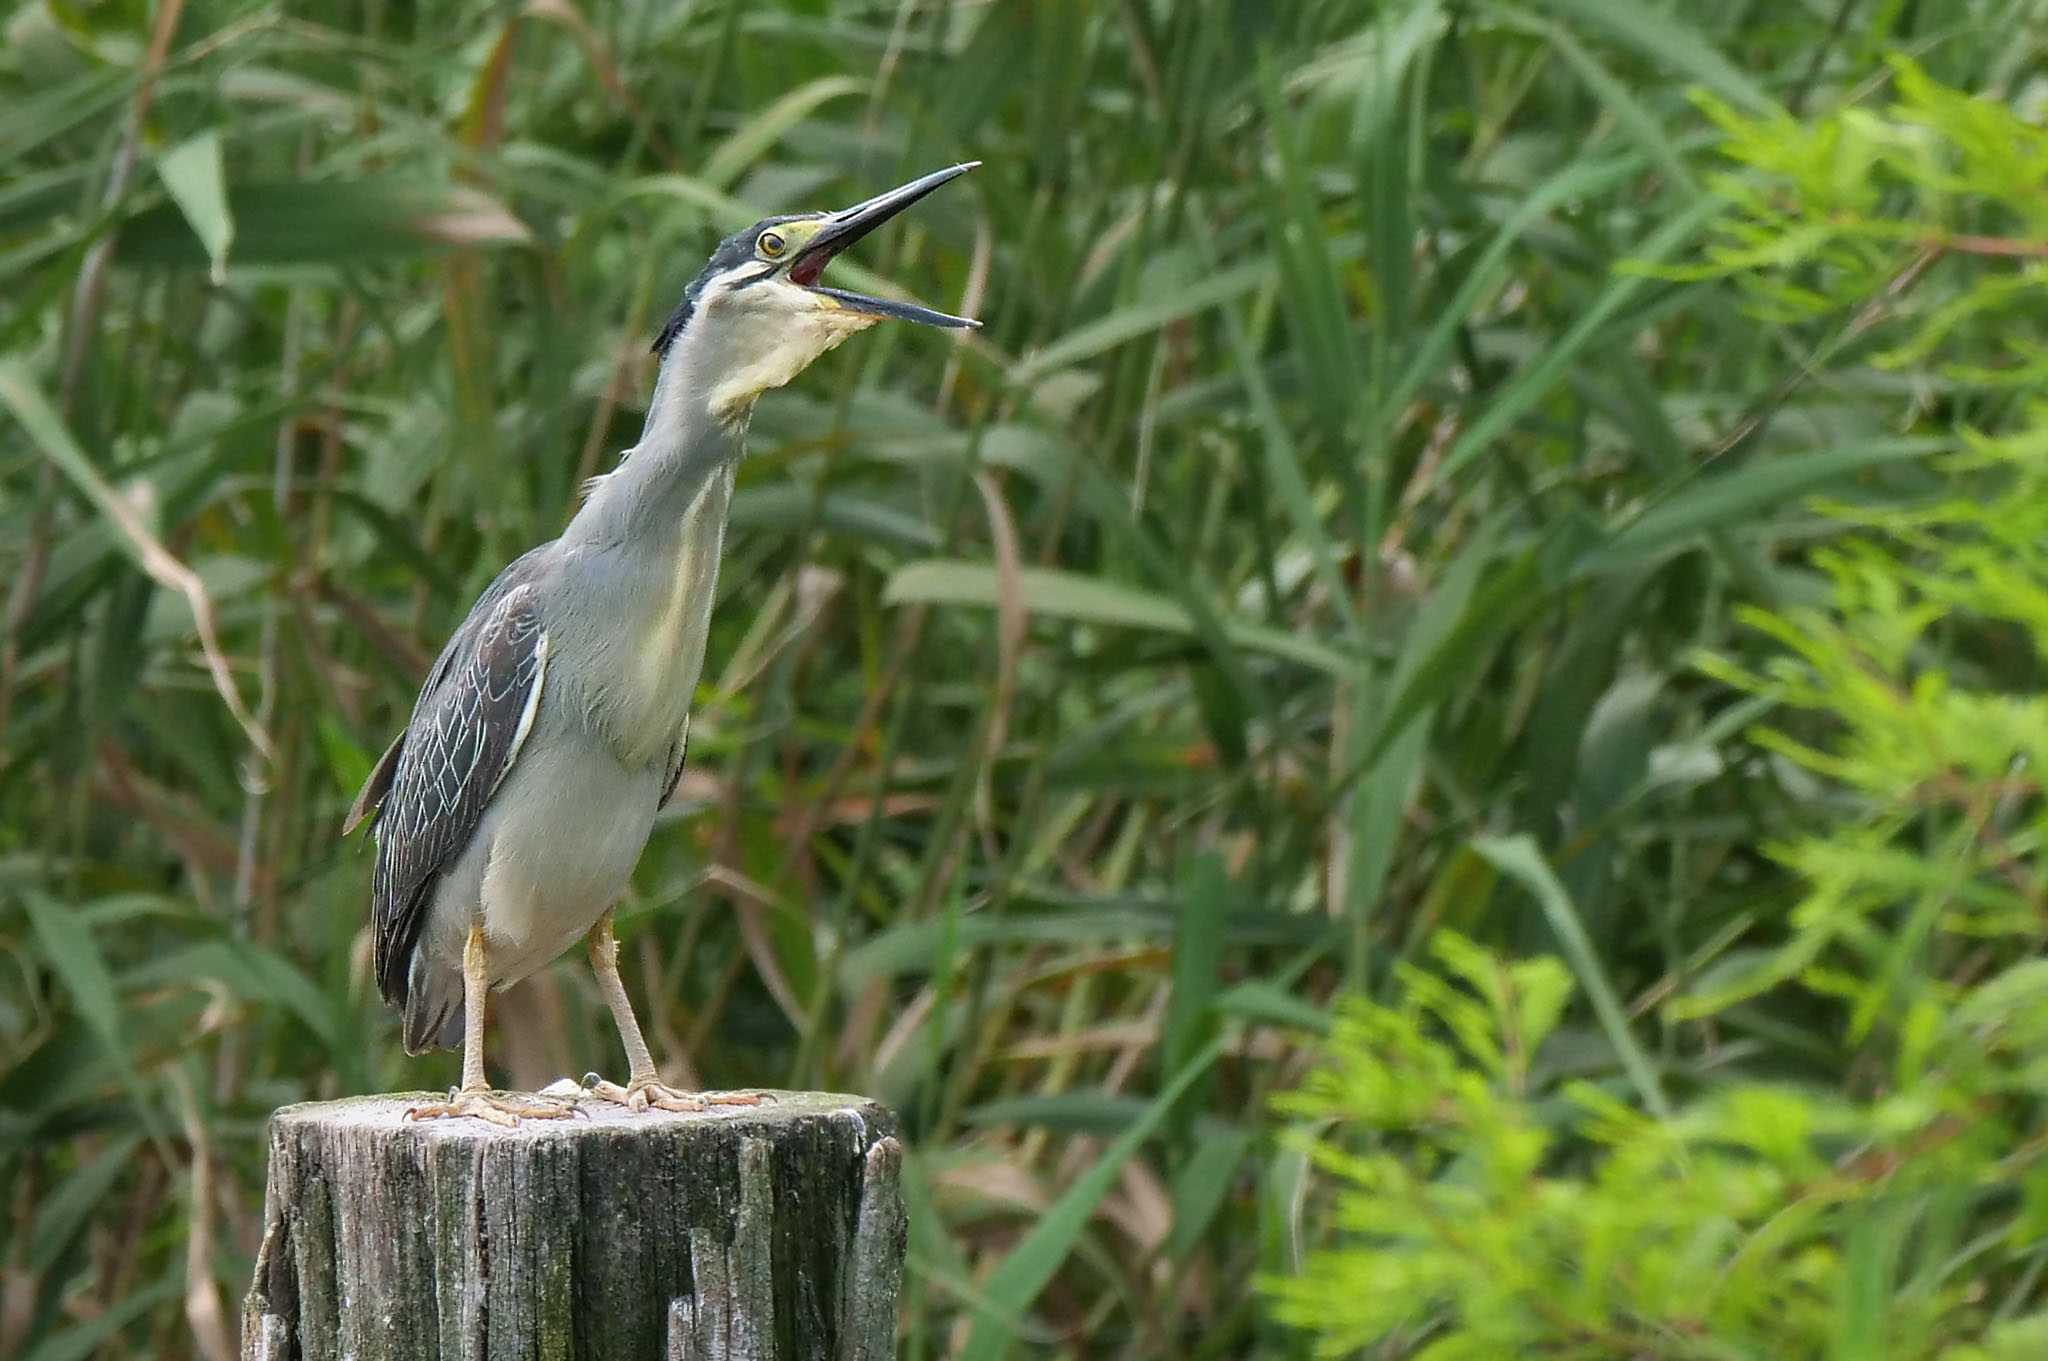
(766, 1233)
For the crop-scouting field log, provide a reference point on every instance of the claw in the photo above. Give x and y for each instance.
(503, 1109)
(640, 1095)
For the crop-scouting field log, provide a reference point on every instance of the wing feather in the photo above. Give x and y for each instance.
(371, 796)
(466, 731)
(674, 774)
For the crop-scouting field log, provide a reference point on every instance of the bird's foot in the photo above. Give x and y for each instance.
(641, 1093)
(506, 1109)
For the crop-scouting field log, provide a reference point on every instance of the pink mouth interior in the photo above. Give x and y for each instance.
(808, 267)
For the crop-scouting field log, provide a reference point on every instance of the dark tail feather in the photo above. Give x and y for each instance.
(433, 1009)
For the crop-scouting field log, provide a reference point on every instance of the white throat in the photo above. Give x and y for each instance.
(782, 334)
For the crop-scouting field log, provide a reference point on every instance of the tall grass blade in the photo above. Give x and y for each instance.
(193, 172)
(1027, 1267)
(1518, 858)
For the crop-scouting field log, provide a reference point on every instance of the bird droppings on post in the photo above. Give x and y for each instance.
(750, 1232)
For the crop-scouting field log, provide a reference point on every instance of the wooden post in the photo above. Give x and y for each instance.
(769, 1233)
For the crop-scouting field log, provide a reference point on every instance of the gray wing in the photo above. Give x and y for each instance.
(371, 796)
(466, 731)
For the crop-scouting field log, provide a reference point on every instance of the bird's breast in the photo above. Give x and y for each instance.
(668, 622)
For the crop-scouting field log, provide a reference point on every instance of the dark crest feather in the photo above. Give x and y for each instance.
(732, 252)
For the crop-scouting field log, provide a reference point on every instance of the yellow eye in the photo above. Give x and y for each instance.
(771, 244)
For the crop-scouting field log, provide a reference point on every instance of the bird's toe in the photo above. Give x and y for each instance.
(648, 1094)
(504, 1109)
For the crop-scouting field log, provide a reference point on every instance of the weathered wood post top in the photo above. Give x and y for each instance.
(770, 1233)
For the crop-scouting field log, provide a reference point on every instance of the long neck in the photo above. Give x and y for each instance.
(645, 498)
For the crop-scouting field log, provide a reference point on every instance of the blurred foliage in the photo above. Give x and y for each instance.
(1822, 209)
(1886, 1196)
(1509, 1210)
(1383, 403)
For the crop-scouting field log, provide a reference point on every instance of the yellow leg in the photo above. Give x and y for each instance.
(476, 1098)
(644, 1086)
(476, 988)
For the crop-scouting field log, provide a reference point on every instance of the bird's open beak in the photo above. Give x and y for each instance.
(844, 228)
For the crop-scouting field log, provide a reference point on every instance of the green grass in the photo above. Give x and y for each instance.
(1358, 488)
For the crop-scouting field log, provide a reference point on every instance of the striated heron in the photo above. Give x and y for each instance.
(511, 810)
